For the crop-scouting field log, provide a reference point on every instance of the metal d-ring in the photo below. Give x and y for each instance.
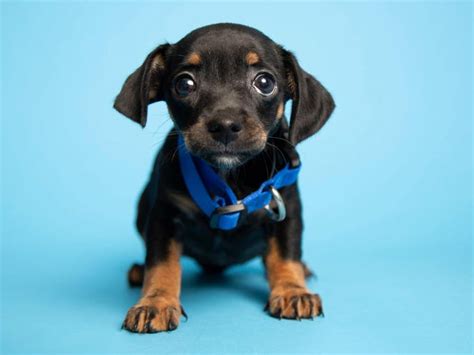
(280, 213)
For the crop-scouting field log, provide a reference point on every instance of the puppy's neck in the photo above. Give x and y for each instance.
(248, 177)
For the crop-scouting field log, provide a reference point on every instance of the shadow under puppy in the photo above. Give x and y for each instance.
(225, 86)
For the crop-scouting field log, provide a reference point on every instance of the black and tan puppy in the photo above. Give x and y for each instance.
(225, 86)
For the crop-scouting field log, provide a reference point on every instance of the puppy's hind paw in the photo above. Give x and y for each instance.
(135, 275)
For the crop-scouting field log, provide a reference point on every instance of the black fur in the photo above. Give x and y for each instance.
(224, 91)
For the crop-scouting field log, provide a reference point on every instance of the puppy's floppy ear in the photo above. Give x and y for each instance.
(143, 86)
(312, 103)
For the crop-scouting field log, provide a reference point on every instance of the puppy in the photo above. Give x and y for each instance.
(226, 87)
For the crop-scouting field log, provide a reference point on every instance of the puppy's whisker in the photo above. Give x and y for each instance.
(264, 156)
(162, 124)
(163, 138)
(283, 139)
(279, 151)
(176, 150)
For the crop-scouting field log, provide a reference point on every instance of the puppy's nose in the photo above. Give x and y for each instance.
(224, 131)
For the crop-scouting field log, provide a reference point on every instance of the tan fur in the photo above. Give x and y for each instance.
(252, 58)
(159, 308)
(193, 59)
(291, 84)
(166, 275)
(256, 127)
(289, 296)
(280, 110)
(280, 271)
(158, 62)
(152, 94)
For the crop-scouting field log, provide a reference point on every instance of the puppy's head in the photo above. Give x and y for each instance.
(226, 86)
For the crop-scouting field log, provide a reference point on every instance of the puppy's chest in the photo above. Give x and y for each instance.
(219, 247)
(222, 248)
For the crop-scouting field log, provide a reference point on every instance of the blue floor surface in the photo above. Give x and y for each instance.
(375, 301)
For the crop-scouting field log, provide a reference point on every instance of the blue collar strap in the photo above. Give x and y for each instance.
(217, 200)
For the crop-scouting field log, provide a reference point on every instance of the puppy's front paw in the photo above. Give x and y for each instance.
(294, 303)
(153, 318)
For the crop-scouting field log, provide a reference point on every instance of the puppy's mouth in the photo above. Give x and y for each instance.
(226, 160)
(223, 158)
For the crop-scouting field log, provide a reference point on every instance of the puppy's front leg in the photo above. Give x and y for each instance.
(159, 308)
(289, 296)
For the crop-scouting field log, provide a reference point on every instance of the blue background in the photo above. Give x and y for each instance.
(386, 184)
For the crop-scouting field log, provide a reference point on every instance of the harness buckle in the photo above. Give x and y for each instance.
(219, 211)
(280, 213)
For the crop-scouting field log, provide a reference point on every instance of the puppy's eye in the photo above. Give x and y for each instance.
(184, 85)
(264, 84)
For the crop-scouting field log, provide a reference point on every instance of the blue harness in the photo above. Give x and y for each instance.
(217, 200)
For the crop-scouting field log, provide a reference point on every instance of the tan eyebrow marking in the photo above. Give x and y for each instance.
(194, 59)
(252, 58)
